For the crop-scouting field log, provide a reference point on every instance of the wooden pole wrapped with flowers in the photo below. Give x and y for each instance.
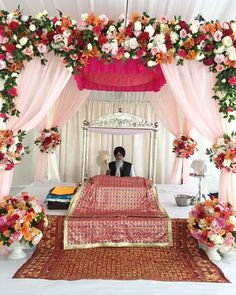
(149, 40)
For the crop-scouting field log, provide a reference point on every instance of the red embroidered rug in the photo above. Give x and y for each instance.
(181, 262)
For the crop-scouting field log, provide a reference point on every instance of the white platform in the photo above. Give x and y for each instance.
(166, 193)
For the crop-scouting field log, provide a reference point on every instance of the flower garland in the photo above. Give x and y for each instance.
(184, 146)
(223, 153)
(213, 223)
(22, 219)
(11, 148)
(149, 39)
(48, 140)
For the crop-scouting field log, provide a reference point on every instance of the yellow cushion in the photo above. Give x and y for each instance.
(63, 190)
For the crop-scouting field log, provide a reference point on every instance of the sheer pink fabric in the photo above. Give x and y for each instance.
(63, 109)
(130, 75)
(167, 110)
(38, 88)
(191, 86)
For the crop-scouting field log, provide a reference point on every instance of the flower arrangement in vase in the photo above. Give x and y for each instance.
(223, 153)
(213, 224)
(184, 146)
(22, 220)
(48, 140)
(11, 148)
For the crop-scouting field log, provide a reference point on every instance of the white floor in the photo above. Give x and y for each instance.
(9, 286)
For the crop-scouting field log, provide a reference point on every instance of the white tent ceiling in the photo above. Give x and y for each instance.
(188, 9)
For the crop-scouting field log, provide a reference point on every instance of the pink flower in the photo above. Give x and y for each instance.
(12, 92)
(217, 36)
(183, 33)
(164, 19)
(182, 53)
(229, 239)
(28, 51)
(232, 81)
(219, 58)
(229, 109)
(219, 68)
(42, 48)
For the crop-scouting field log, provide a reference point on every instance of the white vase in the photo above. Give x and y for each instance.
(212, 253)
(17, 251)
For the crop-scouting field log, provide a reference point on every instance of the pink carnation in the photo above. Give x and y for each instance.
(232, 81)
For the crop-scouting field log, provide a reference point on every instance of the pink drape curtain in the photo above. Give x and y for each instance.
(130, 75)
(191, 86)
(63, 109)
(167, 110)
(38, 88)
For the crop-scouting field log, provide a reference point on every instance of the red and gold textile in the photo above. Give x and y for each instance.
(113, 196)
(116, 211)
(182, 261)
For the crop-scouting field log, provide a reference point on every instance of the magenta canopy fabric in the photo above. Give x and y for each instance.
(130, 75)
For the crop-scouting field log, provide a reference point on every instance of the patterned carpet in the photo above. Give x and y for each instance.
(181, 262)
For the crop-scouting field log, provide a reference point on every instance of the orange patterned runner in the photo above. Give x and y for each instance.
(181, 262)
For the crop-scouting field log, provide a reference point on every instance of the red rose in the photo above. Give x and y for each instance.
(1, 156)
(97, 29)
(208, 61)
(102, 39)
(12, 92)
(10, 47)
(50, 35)
(47, 140)
(182, 53)
(14, 25)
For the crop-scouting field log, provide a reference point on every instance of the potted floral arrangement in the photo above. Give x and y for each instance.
(48, 140)
(22, 221)
(213, 224)
(223, 153)
(184, 146)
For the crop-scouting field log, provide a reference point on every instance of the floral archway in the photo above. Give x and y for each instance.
(148, 40)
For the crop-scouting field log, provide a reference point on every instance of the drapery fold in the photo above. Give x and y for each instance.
(63, 109)
(38, 88)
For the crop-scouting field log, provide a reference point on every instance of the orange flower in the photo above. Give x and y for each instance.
(191, 55)
(29, 217)
(230, 155)
(26, 232)
(135, 16)
(66, 23)
(188, 44)
(92, 19)
(120, 36)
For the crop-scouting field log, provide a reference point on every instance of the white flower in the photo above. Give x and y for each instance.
(2, 82)
(219, 50)
(1, 103)
(32, 27)
(112, 28)
(151, 63)
(150, 30)
(133, 43)
(2, 64)
(23, 41)
(25, 18)
(194, 28)
(70, 69)
(163, 27)
(217, 239)
(14, 75)
(220, 141)
(174, 37)
(227, 41)
(233, 221)
(106, 47)
(182, 33)
(126, 55)
(42, 48)
(159, 39)
(3, 126)
(84, 16)
(232, 56)
(233, 27)
(89, 46)
(137, 26)
(18, 46)
(177, 27)
(200, 55)
(150, 45)
(227, 163)
(12, 148)
(37, 238)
